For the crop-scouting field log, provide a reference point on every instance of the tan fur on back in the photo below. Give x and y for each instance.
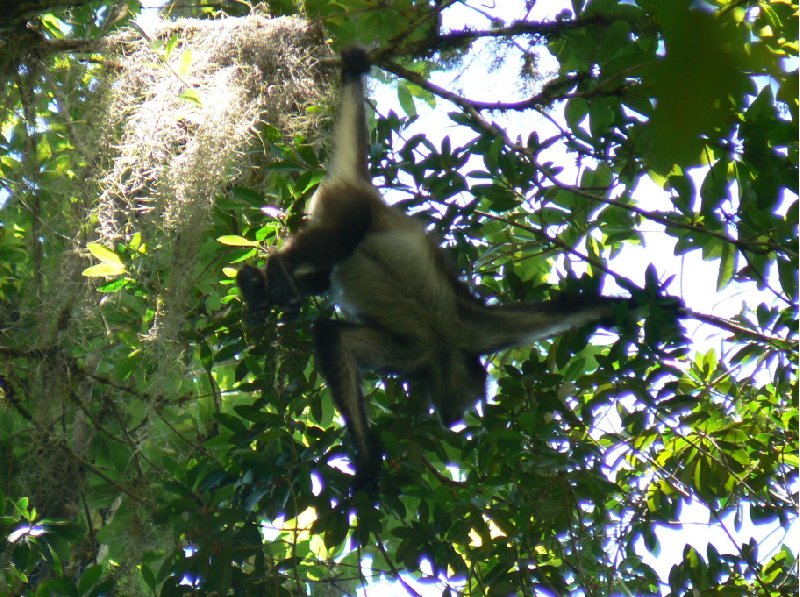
(389, 280)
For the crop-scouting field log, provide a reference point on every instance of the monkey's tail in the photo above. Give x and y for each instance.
(355, 63)
(351, 141)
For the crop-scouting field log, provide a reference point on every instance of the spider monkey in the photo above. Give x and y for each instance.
(406, 311)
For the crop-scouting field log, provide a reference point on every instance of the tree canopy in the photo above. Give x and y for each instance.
(152, 444)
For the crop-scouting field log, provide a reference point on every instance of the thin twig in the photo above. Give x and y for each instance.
(395, 572)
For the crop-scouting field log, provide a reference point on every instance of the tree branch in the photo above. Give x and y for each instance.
(515, 28)
(16, 12)
(778, 343)
(393, 569)
(472, 109)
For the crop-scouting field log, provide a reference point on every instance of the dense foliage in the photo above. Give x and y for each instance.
(214, 462)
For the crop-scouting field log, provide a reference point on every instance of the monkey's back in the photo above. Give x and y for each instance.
(393, 280)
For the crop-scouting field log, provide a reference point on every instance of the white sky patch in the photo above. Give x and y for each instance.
(26, 530)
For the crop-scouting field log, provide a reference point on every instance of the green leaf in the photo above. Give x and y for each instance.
(601, 117)
(53, 25)
(406, 99)
(233, 240)
(248, 195)
(727, 265)
(149, 578)
(104, 270)
(184, 65)
(103, 254)
(170, 45)
(89, 578)
(190, 95)
(13, 255)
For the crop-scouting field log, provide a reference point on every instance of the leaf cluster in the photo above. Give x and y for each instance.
(230, 475)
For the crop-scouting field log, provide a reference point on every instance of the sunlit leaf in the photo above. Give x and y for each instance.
(103, 254)
(104, 270)
(233, 240)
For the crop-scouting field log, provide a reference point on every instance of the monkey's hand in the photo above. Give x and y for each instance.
(262, 289)
(253, 285)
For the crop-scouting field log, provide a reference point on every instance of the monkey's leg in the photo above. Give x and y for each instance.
(343, 348)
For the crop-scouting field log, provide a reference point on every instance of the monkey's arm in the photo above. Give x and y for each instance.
(341, 211)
